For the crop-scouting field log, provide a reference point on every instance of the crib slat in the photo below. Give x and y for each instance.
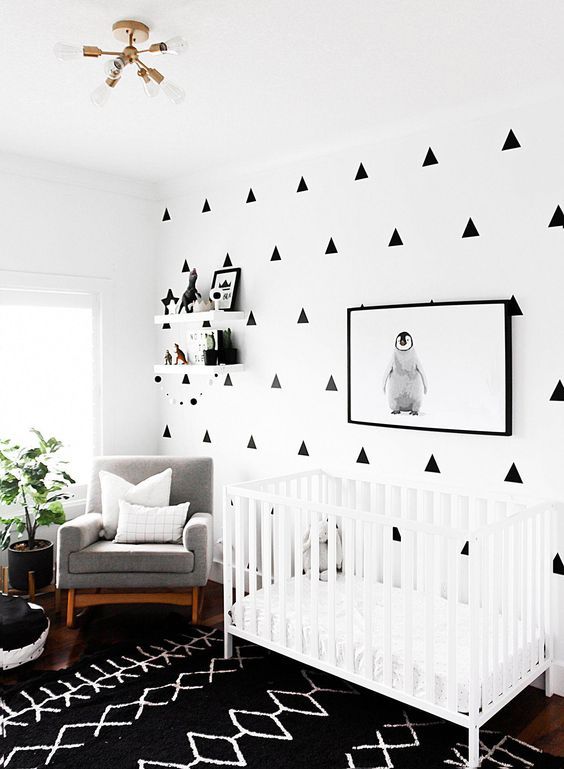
(253, 563)
(386, 535)
(429, 545)
(367, 598)
(239, 561)
(298, 578)
(474, 614)
(266, 560)
(452, 600)
(535, 593)
(282, 516)
(348, 568)
(505, 617)
(497, 658)
(314, 585)
(331, 579)
(407, 590)
(528, 597)
(485, 616)
(515, 602)
(227, 561)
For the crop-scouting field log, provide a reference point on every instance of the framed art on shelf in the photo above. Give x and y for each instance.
(227, 281)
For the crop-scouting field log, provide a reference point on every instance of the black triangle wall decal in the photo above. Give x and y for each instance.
(511, 142)
(558, 394)
(251, 196)
(206, 207)
(331, 247)
(166, 326)
(251, 321)
(166, 215)
(166, 433)
(228, 382)
(276, 383)
(362, 459)
(470, 230)
(514, 308)
(466, 549)
(557, 218)
(513, 475)
(361, 173)
(185, 267)
(275, 255)
(227, 262)
(185, 379)
(207, 438)
(303, 452)
(557, 565)
(302, 186)
(206, 324)
(331, 384)
(303, 317)
(396, 536)
(395, 240)
(251, 444)
(432, 466)
(430, 159)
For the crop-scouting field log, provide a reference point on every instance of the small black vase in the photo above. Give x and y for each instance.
(230, 356)
(210, 357)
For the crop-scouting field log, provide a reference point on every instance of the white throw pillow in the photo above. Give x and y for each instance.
(153, 492)
(157, 525)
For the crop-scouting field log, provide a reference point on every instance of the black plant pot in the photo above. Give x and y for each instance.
(210, 357)
(39, 560)
(230, 356)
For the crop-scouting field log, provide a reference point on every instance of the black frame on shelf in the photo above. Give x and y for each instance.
(237, 271)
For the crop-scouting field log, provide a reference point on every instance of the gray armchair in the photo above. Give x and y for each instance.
(88, 565)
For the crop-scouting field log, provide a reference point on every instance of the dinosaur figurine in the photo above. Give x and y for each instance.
(168, 358)
(180, 357)
(191, 293)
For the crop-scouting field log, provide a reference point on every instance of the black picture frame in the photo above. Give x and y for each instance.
(508, 365)
(234, 271)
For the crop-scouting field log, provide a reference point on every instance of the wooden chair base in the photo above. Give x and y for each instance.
(76, 599)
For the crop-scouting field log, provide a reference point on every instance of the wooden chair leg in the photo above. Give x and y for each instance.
(70, 607)
(5, 580)
(195, 605)
(31, 585)
(201, 605)
(57, 600)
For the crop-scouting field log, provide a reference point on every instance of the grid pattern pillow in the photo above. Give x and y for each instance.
(153, 492)
(155, 525)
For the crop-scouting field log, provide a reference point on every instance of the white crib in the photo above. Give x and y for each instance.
(443, 601)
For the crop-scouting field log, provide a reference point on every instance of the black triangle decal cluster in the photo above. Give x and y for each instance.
(166, 215)
(275, 255)
(396, 536)
(432, 466)
(251, 196)
(430, 159)
(302, 186)
(557, 218)
(166, 433)
(331, 386)
(303, 452)
(557, 565)
(251, 321)
(513, 475)
(514, 308)
(303, 317)
(558, 394)
(511, 142)
(251, 444)
(227, 262)
(228, 382)
(206, 207)
(361, 173)
(395, 240)
(185, 267)
(362, 459)
(276, 383)
(207, 438)
(331, 247)
(470, 230)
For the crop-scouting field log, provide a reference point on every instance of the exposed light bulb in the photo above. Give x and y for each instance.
(114, 67)
(68, 51)
(176, 45)
(151, 89)
(101, 94)
(173, 92)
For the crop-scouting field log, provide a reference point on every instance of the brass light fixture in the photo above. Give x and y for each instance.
(132, 33)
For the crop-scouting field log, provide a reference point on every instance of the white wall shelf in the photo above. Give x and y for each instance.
(216, 318)
(196, 368)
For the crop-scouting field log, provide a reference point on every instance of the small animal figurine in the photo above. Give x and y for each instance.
(404, 377)
(323, 550)
(191, 293)
(180, 357)
(168, 358)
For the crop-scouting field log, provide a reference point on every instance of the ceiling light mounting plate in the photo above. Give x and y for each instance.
(123, 29)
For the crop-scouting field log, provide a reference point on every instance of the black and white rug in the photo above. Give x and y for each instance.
(175, 703)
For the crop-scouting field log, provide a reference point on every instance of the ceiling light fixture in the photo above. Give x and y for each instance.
(132, 33)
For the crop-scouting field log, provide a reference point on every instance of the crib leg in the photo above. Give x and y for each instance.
(473, 747)
(227, 645)
(548, 682)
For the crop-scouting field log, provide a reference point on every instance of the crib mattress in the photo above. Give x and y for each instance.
(494, 682)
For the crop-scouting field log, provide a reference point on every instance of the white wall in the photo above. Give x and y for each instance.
(511, 197)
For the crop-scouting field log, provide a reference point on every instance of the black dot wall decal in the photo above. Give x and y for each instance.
(513, 475)
(193, 401)
(166, 326)
(466, 549)
(302, 186)
(331, 386)
(331, 247)
(396, 536)
(558, 394)
(185, 379)
(166, 215)
(303, 317)
(361, 173)
(470, 230)
(276, 383)
(275, 255)
(430, 159)
(251, 321)
(432, 466)
(557, 565)
(303, 452)
(557, 218)
(227, 262)
(251, 196)
(362, 459)
(207, 438)
(511, 142)
(228, 382)
(395, 240)
(185, 267)
(158, 379)
(206, 207)
(514, 308)
(251, 444)
(166, 433)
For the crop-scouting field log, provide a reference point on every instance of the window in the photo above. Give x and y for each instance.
(49, 379)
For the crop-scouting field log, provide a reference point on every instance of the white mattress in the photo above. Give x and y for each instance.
(397, 644)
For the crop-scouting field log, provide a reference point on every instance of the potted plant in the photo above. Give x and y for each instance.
(34, 480)
(229, 352)
(210, 353)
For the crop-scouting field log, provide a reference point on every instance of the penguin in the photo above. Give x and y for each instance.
(404, 377)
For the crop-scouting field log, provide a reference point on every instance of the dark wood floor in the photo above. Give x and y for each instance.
(530, 716)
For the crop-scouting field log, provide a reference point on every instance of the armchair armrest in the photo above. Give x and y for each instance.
(73, 536)
(197, 537)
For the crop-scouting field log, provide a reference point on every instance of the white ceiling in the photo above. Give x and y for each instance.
(265, 79)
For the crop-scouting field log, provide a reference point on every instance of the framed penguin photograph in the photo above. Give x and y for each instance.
(443, 366)
(227, 281)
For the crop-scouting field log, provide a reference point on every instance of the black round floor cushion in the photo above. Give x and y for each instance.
(20, 623)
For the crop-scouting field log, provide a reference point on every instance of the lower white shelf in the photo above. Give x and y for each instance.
(196, 368)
